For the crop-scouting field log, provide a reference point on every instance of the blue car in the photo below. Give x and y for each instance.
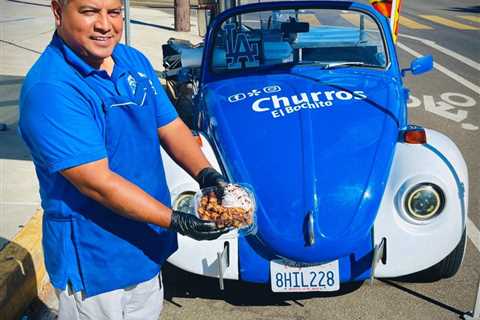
(305, 102)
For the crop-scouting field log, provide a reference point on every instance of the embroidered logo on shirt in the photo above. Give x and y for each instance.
(132, 83)
(143, 75)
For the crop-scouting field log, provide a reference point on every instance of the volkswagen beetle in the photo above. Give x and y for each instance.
(305, 102)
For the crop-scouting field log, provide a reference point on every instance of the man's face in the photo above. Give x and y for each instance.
(91, 28)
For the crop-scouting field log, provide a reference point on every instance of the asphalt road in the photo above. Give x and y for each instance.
(447, 100)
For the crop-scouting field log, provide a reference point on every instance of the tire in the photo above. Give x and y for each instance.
(446, 268)
(449, 266)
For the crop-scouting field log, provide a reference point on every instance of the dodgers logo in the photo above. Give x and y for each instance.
(239, 49)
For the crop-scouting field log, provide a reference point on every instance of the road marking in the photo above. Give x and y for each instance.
(448, 22)
(412, 24)
(446, 107)
(354, 19)
(444, 70)
(446, 51)
(471, 18)
(310, 18)
(473, 233)
(443, 109)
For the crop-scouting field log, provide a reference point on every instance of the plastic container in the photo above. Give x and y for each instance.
(236, 207)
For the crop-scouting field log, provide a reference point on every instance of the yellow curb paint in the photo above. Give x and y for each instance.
(310, 18)
(448, 22)
(471, 18)
(354, 19)
(22, 271)
(412, 24)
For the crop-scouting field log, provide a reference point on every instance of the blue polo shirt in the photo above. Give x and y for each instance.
(63, 123)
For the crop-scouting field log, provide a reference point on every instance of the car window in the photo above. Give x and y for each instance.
(325, 37)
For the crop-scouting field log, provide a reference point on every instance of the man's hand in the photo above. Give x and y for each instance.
(189, 225)
(209, 177)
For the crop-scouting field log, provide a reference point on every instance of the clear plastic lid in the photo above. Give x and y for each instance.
(233, 206)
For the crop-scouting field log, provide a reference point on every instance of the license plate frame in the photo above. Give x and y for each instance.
(285, 277)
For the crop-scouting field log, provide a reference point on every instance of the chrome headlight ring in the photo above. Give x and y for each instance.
(424, 201)
(184, 202)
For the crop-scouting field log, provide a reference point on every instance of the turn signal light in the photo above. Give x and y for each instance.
(199, 140)
(415, 136)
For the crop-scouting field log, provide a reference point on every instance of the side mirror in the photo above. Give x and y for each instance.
(420, 65)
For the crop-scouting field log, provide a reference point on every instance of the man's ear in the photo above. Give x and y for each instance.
(57, 12)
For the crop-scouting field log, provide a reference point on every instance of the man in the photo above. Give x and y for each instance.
(93, 113)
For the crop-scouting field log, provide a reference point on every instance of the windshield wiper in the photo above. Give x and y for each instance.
(312, 62)
(349, 64)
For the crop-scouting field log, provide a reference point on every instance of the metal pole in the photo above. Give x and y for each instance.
(126, 8)
(393, 12)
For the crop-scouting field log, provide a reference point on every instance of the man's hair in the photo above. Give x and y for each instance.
(61, 2)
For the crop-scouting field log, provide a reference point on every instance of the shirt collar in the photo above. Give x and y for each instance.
(77, 62)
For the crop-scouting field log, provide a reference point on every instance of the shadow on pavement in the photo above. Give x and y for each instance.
(182, 284)
(472, 9)
(38, 310)
(391, 283)
(12, 145)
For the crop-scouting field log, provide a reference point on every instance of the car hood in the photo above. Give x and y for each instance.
(308, 147)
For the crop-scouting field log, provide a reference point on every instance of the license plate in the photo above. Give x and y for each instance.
(286, 278)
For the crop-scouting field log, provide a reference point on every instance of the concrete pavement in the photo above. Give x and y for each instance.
(26, 28)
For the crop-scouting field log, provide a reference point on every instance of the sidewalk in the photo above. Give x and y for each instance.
(26, 28)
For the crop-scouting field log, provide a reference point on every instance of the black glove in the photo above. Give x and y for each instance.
(189, 225)
(209, 177)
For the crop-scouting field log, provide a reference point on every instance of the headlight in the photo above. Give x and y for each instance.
(424, 201)
(184, 202)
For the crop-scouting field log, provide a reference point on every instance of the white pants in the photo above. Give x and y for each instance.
(143, 301)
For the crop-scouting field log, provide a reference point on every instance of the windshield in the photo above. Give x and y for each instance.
(329, 38)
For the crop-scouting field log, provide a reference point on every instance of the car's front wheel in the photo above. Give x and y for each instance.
(446, 268)
(449, 266)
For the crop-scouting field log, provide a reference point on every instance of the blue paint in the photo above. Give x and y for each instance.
(308, 140)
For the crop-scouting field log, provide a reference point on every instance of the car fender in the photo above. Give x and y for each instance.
(200, 257)
(409, 242)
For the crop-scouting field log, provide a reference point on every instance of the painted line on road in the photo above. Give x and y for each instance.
(471, 18)
(412, 24)
(447, 22)
(444, 70)
(446, 51)
(473, 233)
(354, 19)
(310, 18)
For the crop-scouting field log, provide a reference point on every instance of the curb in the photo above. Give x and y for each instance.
(22, 271)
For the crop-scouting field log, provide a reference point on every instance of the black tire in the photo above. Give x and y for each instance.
(446, 268)
(449, 266)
